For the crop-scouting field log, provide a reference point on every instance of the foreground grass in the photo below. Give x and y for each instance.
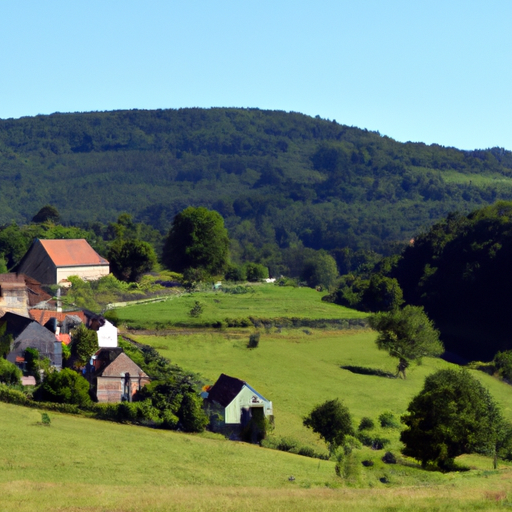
(300, 368)
(82, 464)
(263, 301)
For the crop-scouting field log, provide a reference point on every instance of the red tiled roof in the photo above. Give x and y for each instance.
(69, 253)
(43, 315)
(20, 359)
(64, 338)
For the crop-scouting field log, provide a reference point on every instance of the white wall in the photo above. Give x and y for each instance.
(247, 397)
(107, 335)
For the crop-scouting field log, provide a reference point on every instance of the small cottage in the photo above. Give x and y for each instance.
(53, 261)
(237, 401)
(114, 377)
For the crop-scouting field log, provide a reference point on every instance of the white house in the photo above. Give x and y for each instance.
(234, 397)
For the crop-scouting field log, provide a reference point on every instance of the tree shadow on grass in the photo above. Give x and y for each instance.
(362, 370)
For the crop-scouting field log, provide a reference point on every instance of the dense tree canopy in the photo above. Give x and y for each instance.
(452, 415)
(197, 239)
(66, 387)
(407, 334)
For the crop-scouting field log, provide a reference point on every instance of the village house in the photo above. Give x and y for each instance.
(114, 377)
(53, 261)
(237, 402)
(27, 333)
(19, 292)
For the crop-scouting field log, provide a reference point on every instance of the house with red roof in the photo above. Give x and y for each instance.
(53, 261)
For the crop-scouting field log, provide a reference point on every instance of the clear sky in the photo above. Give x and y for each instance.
(435, 71)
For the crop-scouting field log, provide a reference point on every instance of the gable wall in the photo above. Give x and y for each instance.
(38, 265)
(246, 398)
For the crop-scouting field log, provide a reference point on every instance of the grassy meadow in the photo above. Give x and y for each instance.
(79, 464)
(262, 301)
(300, 368)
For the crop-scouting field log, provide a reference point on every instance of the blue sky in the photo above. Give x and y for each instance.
(430, 71)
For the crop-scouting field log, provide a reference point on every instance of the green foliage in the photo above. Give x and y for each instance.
(288, 444)
(5, 340)
(197, 309)
(66, 387)
(197, 239)
(9, 373)
(32, 363)
(332, 421)
(366, 424)
(191, 416)
(255, 272)
(254, 340)
(45, 214)
(503, 364)
(130, 259)
(452, 415)
(235, 273)
(346, 466)
(320, 270)
(45, 419)
(387, 420)
(407, 334)
(83, 345)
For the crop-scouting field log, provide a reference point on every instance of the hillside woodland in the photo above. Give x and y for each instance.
(459, 271)
(281, 181)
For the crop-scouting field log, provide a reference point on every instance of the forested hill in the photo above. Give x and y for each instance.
(279, 179)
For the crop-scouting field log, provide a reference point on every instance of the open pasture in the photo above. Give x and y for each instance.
(261, 301)
(78, 464)
(300, 368)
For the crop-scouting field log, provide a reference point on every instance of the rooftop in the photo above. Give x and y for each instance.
(69, 253)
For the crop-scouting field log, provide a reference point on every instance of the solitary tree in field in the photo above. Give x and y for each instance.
(332, 421)
(407, 334)
(453, 414)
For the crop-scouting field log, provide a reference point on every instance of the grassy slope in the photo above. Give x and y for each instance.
(297, 371)
(82, 464)
(266, 301)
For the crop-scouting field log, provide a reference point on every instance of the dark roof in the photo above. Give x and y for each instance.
(16, 324)
(225, 390)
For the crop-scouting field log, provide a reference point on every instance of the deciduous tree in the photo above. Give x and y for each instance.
(407, 334)
(197, 239)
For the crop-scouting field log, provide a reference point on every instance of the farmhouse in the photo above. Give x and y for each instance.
(237, 401)
(53, 261)
(114, 377)
(27, 333)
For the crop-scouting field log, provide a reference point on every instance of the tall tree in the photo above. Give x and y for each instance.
(197, 239)
(453, 414)
(407, 334)
(130, 259)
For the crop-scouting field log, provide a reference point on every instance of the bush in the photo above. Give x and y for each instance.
(9, 373)
(197, 309)
(66, 387)
(387, 420)
(366, 424)
(255, 272)
(254, 340)
(503, 364)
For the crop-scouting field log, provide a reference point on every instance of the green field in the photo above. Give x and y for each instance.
(297, 371)
(78, 464)
(263, 301)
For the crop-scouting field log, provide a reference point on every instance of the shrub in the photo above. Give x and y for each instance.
(9, 373)
(66, 387)
(366, 424)
(197, 309)
(332, 421)
(254, 340)
(503, 364)
(387, 420)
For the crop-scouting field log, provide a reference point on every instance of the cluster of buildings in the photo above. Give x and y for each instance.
(32, 318)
